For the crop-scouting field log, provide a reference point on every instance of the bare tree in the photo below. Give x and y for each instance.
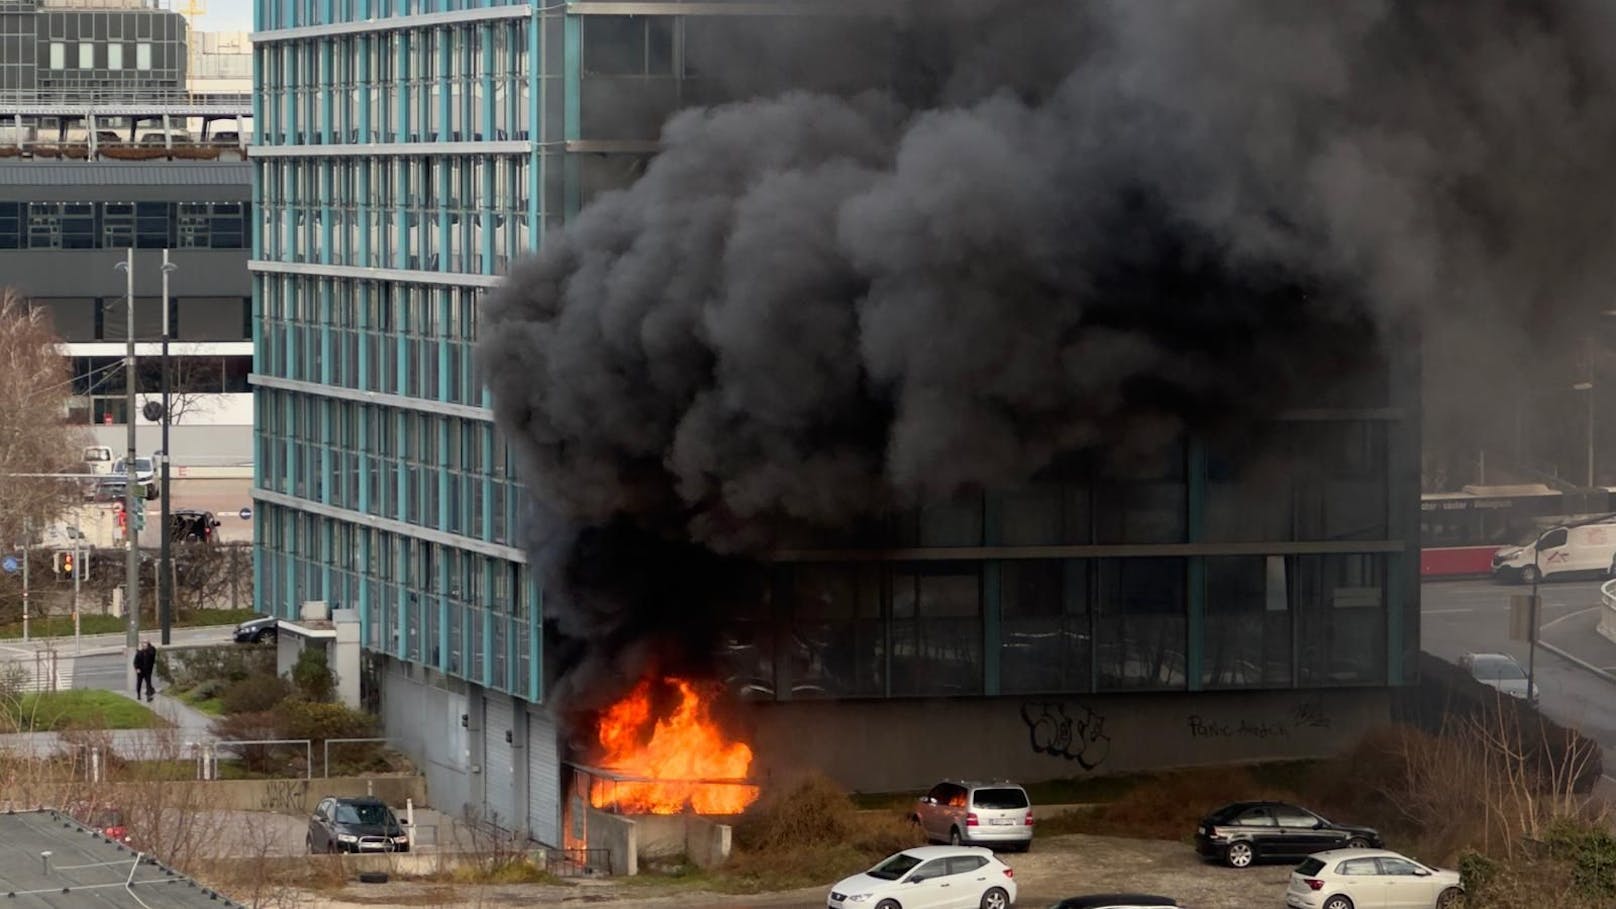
(36, 383)
(195, 385)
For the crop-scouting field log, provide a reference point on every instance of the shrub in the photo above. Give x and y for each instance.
(251, 727)
(209, 688)
(299, 719)
(254, 695)
(187, 667)
(312, 676)
(810, 832)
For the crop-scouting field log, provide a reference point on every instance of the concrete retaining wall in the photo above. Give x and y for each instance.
(707, 841)
(619, 837)
(896, 745)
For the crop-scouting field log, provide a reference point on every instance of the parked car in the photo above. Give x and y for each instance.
(190, 525)
(974, 813)
(145, 469)
(1245, 832)
(1117, 901)
(1500, 671)
(930, 877)
(262, 630)
(355, 825)
(1355, 878)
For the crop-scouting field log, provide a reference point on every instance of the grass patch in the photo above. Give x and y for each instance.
(50, 711)
(512, 870)
(61, 626)
(57, 626)
(213, 706)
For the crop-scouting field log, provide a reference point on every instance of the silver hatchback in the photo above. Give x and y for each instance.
(976, 814)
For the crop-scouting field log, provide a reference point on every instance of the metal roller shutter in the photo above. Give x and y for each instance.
(499, 776)
(543, 779)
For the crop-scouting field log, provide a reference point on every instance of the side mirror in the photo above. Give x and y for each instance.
(1421, 872)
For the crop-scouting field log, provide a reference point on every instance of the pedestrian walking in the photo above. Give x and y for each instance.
(145, 662)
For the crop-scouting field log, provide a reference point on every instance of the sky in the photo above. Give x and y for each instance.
(224, 16)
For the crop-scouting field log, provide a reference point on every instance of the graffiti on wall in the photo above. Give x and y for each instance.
(1074, 733)
(1309, 714)
(284, 796)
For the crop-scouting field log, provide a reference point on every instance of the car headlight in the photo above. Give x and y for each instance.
(401, 839)
(859, 897)
(347, 838)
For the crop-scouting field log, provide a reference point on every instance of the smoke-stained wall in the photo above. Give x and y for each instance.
(934, 252)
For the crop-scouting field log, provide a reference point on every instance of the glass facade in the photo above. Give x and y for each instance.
(409, 149)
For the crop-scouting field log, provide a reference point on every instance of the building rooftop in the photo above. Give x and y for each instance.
(85, 870)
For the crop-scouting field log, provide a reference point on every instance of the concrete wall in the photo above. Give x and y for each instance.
(422, 719)
(619, 837)
(707, 841)
(893, 745)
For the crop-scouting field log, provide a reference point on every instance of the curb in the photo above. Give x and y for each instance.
(1578, 662)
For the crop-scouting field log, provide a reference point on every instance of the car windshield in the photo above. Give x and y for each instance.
(895, 867)
(1000, 798)
(375, 815)
(1309, 867)
(1496, 669)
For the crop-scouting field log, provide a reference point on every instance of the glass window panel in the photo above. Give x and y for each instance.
(1341, 487)
(1044, 636)
(1340, 606)
(937, 630)
(838, 646)
(1143, 500)
(1248, 623)
(1140, 623)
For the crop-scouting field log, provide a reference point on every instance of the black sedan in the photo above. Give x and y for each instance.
(1245, 832)
(262, 630)
(355, 825)
(1117, 901)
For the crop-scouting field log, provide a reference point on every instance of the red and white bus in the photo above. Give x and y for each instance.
(1460, 531)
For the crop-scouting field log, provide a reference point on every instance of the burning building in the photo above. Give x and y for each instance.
(1010, 388)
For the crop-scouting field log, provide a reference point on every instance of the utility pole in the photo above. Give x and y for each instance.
(78, 572)
(165, 575)
(131, 600)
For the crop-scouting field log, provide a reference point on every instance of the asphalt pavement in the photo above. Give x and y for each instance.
(1575, 667)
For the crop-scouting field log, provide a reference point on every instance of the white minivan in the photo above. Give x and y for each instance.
(1569, 550)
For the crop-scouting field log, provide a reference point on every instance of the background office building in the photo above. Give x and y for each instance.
(407, 150)
(77, 83)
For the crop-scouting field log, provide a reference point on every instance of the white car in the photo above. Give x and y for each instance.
(930, 877)
(1360, 878)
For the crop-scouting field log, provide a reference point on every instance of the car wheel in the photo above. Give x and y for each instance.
(954, 838)
(1531, 575)
(1239, 855)
(1449, 898)
(1357, 842)
(888, 904)
(995, 899)
(1338, 902)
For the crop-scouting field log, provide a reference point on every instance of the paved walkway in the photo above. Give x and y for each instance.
(187, 725)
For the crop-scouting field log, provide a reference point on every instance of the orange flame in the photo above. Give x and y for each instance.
(674, 761)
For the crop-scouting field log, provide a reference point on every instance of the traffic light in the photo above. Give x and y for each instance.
(140, 519)
(64, 564)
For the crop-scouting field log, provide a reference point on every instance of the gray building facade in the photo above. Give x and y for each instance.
(118, 47)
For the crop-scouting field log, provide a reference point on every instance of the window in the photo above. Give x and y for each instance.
(1044, 626)
(58, 55)
(933, 868)
(143, 56)
(115, 55)
(1357, 867)
(1143, 500)
(1340, 608)
(1140, 628)
(1291, 816)
(86, 55)
(840, 647)
(1255, 817)
(1340, 475)
(1398, 866)
(965, 864)
(1248, 623)
(936, 629)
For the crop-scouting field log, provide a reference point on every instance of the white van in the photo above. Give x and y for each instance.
(1569, 550)
(97, 459)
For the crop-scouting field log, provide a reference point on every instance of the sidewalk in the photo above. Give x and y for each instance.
(1576, 637)
(91, 644)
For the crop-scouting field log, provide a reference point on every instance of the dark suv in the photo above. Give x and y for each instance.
(355, 825)
(1244, 832)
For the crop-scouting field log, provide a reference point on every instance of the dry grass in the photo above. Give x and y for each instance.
(808, 833)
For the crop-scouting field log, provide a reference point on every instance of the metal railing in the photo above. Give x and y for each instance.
(325, 765)
(100, 95)
(1607, 616)
(308, 748)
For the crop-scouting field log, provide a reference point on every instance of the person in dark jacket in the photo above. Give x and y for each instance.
(145, 662)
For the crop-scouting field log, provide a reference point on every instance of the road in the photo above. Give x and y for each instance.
(1459, 616)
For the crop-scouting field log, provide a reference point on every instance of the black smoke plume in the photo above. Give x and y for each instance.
(930, 252)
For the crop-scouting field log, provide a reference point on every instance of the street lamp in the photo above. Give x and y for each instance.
(165, 576)
(1589, 388)
(131, 600)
